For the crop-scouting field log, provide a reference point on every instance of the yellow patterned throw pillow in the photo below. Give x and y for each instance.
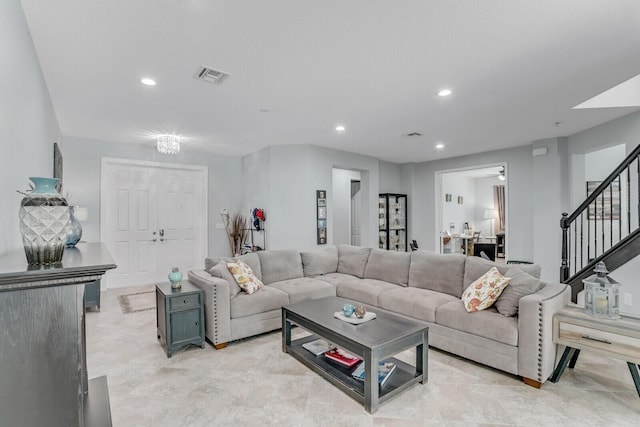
(244, 276)
(485, 291)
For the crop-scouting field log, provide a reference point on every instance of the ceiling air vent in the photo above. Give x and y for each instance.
(211, 75)
(412, 135)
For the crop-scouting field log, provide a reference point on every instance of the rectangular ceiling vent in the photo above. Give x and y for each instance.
(412, 135)
(211, 75)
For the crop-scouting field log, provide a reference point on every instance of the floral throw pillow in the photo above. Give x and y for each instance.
(484, 291)
(244, 276)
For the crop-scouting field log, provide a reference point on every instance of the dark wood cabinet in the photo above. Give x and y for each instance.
(43, 345)
(392, 220)
(501, 245)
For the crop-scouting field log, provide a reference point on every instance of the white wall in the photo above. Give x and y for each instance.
(390, 178)
(341, 205)
(82, 159)
(452, 212)
(627, 275)
(420, 179)
(256, 185)
(28, 124)
(549, 201)
(483, 196)
(295, 172)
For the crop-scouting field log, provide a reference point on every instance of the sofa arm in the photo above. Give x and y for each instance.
(217, 308)
(536, 350)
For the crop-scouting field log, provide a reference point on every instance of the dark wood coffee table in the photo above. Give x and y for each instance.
(373, 341)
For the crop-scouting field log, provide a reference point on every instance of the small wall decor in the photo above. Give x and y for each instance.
(57, 166)
(460, 200)
(447, 197)
(321, 209)
(607, 205)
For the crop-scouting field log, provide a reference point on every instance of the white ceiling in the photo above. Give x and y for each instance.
(516, 67)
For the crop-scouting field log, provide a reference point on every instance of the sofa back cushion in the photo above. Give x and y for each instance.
(251, 260)
(438, 272)
(389, 266)
(352, 260)
(221, 271)
(280, 265)
(476, 267)
(319, 262)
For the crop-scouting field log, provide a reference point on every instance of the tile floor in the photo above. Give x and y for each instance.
(252, 383)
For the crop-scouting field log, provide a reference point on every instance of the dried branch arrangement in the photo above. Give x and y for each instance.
(237, 232)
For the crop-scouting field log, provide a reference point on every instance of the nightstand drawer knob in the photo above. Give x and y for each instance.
(197, 323)
(587, 337)
(185, 301)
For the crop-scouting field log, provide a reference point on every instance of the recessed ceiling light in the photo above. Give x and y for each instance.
(439, 146)
(147, 81)
(340, 128)
(444, 92)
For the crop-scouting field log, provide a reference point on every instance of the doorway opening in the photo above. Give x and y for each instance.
(356, 201)
(348, 207)
(472, 211)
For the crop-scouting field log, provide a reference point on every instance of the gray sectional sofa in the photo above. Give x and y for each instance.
(422, 285)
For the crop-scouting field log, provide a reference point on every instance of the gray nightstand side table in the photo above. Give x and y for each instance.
(180, 316)
(577, 330)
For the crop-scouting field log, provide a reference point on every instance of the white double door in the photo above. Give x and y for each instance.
(153, 218)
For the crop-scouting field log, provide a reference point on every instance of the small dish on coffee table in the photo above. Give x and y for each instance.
(353, 319)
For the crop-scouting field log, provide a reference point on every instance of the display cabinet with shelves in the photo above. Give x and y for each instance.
(392, 214)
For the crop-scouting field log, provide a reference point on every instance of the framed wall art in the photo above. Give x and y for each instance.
(607, 205)
(321, 220)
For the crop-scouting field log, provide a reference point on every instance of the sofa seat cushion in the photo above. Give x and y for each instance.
(304, 289)
(486, 323)
(388, 266)
(280, 265)
(437, 272)
(265, 299)
(352, 260)
(414, 302)
(475, 267)
(363, 290)
(335, 278)
(319, 262)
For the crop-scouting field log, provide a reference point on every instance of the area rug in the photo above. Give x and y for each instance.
(138, 301)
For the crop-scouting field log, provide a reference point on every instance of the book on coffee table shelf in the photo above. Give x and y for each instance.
(385, 369)
(318, 346)
(342, 357)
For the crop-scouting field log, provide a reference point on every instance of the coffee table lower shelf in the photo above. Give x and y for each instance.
(404, 376)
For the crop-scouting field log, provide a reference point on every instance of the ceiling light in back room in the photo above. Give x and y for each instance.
(439, 146)
(148, 82)
(168, 144)
(340, 128)
(444, 92)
